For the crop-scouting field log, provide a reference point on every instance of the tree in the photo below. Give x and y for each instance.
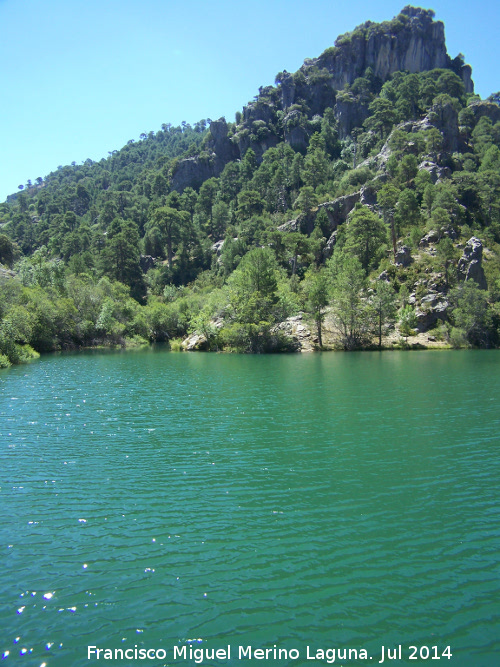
(329, 133)
(387, 198)
(188, 201)
(494, 98)
(470, 313)
(483, 136)
(206, 199)
(434, 140)
(408, 168)
(253, 296)
(350, 308)
(382, 117)
(316, 288)
(441, 220)
(297, 244)
(257, 273)
(170, 222)
(407, 213)
(364, 236)
(120, 257)
(249, 203)
(220, 219)
(248, 165)
(407, 321)
(450, 84)
(7, 250)
(384, 307)
(316, 162)
(491, 160)
(489, 193)
(446, 254)
(306, 200)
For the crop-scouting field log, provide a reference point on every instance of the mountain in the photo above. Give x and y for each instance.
(411, 42)
(370, 176)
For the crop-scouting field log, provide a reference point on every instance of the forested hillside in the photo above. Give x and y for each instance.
(364, 188)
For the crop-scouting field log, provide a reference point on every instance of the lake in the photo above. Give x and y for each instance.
(180, 503)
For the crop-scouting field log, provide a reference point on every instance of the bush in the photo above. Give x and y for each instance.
(458, 339)
(4, 361)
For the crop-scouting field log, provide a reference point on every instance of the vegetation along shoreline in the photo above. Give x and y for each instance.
(353, 205)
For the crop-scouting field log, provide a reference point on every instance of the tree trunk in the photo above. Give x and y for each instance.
(318, 325)
(393, 234)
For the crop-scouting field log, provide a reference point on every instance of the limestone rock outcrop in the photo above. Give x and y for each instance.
(220, 150)
(349, 113)
(433, 308)
(411, 42)
(470, 265)
(403, 256)
(298, 332)
(418, 45)
(338, 209)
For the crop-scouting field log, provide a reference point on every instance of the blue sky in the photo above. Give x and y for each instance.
(80, 78)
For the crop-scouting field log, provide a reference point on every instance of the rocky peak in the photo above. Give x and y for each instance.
(412, 41)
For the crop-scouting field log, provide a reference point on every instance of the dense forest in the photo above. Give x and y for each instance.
(353, 216)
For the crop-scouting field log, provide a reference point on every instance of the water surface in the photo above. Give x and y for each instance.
(329, 500)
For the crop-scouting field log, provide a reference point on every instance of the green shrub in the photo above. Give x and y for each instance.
(4, 361)
(458, 339)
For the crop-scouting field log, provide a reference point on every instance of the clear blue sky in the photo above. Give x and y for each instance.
(80, 78)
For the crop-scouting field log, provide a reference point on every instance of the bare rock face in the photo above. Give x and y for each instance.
(338, 209)
(330, 245)
(445, 118)
(415, 43)
(403, 256)
(430, 237)
(194, 170)
(195, 342)
(297, 137)
(470, 264)
(488, 109)
(433, 308)
(290, 226)
(349, 113)
(300, 335)
(411, 42)
(436, 172)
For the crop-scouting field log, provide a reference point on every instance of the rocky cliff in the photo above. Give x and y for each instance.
(411, 42)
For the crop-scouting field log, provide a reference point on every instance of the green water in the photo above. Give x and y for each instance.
(332, 501)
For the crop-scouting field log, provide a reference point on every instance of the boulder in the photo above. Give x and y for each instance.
(470, 264)
(217, 247)
(403, 256)
(430, 237)
(433, 308)
(295, 329)
(146, 262)
(436, 172)
(330, 244)
(194, 342)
